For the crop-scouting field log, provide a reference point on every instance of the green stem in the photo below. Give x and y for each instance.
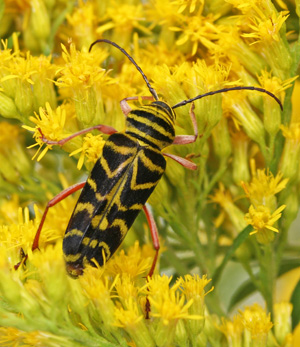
(267, 276)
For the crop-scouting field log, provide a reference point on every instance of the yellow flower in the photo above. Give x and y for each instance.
(132, 320)
(257, 322)
(230, 45)
(164, 13)
(135, 264)
(50, 125)
(267, 29)
(192, 5)
(83, 21)
(262, 221)
(233, 330)
(193, 288)
(224, 199)
(263, 187)
(91, 149)
(123, 18)
(81, 68)
(98, 289)
(197, 30)
(168, 306)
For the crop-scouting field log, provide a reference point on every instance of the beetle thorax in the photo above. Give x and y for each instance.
(152, 124)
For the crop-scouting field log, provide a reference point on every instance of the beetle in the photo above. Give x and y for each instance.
(123, 178)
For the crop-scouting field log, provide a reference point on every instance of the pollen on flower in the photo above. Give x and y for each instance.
(262, 221)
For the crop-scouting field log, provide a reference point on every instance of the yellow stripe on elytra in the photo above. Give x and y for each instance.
(132, 207)
(111, 174)
(124, 150)
(122, 225)
(85, 206)
(86, 241)
(149, 164)
(92, 184)
(93, 244)
(71, 258)
(74, 232)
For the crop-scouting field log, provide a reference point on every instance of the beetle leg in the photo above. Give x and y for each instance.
(154, 235)
(52, 202)
(126, 108)
(156, 245)
(184, 162)
(105, 129)
(185, 139)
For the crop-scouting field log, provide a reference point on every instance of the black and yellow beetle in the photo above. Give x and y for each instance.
(123, 178)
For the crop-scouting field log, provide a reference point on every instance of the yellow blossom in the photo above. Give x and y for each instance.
(233, 330)
(195, 31)
(83, 22)
(81, 68)
(135, 264)
(268, 29)
(193, 288)
(131, 319)
(165, 13)
(91, 149)
(224, 199)
(50, 125)
(262, 221)
(257, 322)
(263, 187)
(124, 17)
(192, 5)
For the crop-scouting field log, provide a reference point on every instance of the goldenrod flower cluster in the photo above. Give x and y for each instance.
(227, 230)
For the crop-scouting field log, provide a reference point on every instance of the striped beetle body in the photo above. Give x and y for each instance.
(123, 178)
(119, 185)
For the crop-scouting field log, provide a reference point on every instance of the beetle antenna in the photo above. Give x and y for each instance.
(152, 91)
(184, 102)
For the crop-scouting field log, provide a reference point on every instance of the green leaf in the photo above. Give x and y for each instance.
(248, 287)
(236, 244)
(295, 300)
